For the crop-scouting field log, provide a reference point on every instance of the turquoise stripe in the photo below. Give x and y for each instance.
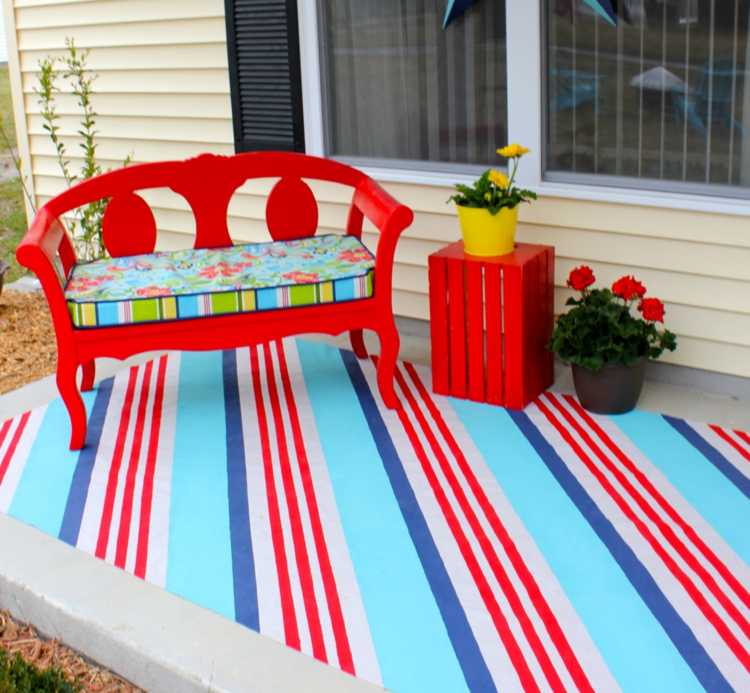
(42, 492)
(199, 567)
(716, 498)
(632, 643)
(410, 638)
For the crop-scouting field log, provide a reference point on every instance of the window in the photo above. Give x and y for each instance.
(399, 89)
(657, 102)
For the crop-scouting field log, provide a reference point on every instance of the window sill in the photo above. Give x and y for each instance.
(576, 191)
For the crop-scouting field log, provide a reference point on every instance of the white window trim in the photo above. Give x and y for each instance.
(524, 44)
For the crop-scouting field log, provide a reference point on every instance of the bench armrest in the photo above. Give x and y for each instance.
(40, 246)
(389, 217)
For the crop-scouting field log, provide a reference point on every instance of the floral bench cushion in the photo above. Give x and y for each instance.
(211, 281)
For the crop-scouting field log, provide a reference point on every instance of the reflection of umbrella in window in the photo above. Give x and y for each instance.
(655, 83)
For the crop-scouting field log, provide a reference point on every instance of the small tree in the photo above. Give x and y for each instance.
(86, 225)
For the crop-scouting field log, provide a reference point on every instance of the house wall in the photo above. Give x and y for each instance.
(163, 93)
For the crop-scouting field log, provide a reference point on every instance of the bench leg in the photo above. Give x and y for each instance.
(358, 343)
(67, 369)
(389, 345)
(89, 374)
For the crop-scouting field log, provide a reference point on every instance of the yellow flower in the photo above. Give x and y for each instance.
(513, 150)
(487, 197)
(499, 179)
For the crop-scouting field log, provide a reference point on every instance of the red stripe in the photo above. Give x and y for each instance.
(126, 513)
(673, 515)
(144, 526)
(744, 436)
(487, 549)
(343, 648)
(731, 441)
(532, 588)
(700, 601)
(13, 442)
(291, 631)
(498, 618)
(114, 470)
(295, 519)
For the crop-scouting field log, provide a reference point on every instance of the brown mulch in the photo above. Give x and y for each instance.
(28, 350)
(15, 637)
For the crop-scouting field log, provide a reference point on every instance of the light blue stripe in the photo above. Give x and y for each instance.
(200, 551)
(187, 306)
(42, 492)
(716, 498)
(633, 644)
(106, 313)
(343, 289)
(266, 299)
(410, 638)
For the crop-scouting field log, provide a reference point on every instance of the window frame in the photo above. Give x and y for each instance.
(526, 123)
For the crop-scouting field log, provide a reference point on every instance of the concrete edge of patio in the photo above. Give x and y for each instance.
(156, 640)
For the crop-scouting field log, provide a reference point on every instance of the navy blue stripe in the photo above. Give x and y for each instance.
(243, 563)
(79, 486)
(711, 454)
(677, 630)
(462, 638)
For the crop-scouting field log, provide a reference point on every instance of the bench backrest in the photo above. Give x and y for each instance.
(208, 183)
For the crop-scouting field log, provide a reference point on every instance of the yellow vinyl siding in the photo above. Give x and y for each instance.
(163, 93)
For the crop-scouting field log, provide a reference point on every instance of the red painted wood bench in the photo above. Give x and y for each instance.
(208, 182)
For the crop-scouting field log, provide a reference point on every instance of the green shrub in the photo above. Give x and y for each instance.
(19, 676)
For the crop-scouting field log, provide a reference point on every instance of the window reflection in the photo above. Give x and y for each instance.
(400, 87)
(660, 96)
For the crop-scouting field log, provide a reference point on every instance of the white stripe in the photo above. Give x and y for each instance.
(18, 461)
(494, 652)
(158, 538)
(304, 514)
(266, 575)
(92, 512)
(135, 517)
(355, 618)
(741, 463)
(497, 552)
(286, 530)
(681, 507)
(660, 536)
(114, 529)
(732, 669)
(494, 496)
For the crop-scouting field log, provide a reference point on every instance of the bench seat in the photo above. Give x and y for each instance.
(185, 284)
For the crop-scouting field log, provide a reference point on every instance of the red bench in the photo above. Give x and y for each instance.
(208, 182)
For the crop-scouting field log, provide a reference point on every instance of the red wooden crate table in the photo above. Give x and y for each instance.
(496, 355)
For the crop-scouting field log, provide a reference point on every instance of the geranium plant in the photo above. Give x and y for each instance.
(494, 190)
(601, 327)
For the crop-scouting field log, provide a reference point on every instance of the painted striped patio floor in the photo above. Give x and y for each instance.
(448, 547)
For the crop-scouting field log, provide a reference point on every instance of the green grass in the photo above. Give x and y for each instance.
(13, 223)
(19, 676)
(6, 111)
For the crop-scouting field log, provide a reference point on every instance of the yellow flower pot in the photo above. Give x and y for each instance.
(486, 235)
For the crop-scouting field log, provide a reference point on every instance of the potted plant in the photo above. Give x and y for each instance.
(488, 210)
(606, 344)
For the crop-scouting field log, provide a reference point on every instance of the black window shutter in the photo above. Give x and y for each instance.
(264, 75)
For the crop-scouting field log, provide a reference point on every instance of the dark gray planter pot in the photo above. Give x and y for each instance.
(614, 389)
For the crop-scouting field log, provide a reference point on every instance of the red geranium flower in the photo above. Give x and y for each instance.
(652, 309)
(581, 277)
(628, 288)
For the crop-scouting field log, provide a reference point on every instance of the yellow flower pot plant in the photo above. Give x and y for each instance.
(488, 211)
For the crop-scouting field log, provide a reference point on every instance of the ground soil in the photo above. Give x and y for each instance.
(28, 350)
(16, 637)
